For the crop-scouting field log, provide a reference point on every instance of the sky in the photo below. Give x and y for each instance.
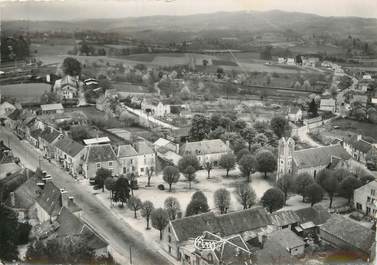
(84, 9)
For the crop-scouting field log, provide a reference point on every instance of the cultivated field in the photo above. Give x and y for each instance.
(25, 93)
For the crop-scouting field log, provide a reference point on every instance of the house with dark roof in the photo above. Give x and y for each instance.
(13, 119)
(365, 198)
(47, 138)
(249, 224)
(100, 156)
(167, 151)
(34, 137)
(311, 161)
(343, 233)
(146, 158)
(70, 154)
(49, 203)
(127, 157)
(359, 148)
(70, 226)
(289, 240)
(311, 218)
(284, 219)
(206, 150)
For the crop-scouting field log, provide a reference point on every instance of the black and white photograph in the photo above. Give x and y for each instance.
(188, 132)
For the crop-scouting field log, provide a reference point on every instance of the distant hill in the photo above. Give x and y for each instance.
(250, 21)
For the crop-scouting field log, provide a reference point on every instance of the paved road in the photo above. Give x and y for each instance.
(119, 234)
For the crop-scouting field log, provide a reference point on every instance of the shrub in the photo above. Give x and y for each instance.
(161, 187)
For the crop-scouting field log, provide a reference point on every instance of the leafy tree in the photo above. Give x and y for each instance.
(220, 73)
(160, 220)
(208, 166)
(121, 190)
(170, 175)
(190, 174)
(101, 175)
(313, 108)
(198, 204)
(314, 192)
(146, 211)
(247, 165)
(240, 125)
(222, 200)
(280, 126)
(200, 127)
(366, 179)
(149, 172)
(172, 207)
(216, 133)
(328, 182)
(228, 162)
(285, 183)
(348, 186)
(8, 230)
(345, 82)
(248, 134)
(273, 199)
(303, 181)
(266, 162)
(110, 185)
(132, 179)
(261, 139)
(71, 66)
(134, 204)
(241, 153)
(245, 195)
(188, 165)
(236, 141)
(79, 133)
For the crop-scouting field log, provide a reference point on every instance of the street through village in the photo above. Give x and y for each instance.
(119, 235)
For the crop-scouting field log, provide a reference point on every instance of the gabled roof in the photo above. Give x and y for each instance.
(50, 200)
(283, 218)
(26, 194)
(316, 214)
(319, 156)
(143, 148)
(367, 187)
(50, 135)
(287, 238)
(161, 142)
(360, 145)
(204, 147)
(69, 146)
(349, 231)
(55, 106)
(126, 151)
(100, 153)
(328, 102)
(15, 114)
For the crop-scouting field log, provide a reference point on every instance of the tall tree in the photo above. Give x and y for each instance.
(146, 211)
(314, 192)
(198, 204)
(248, 134)
(149, 172)
(285, 184)
(188, 165)
(160, 220)
(261, 139)
(121, 190)
(71, 66)
(313, 108)
(134, 204)
(8, 230)
(222, 200)
(266, 162)
(247, 165)
(245, 195)
(208, 166)
(348, 186)
(241, 153)
(228, 162)
(132, 180)
(280, 126)
(172, 207)
(200, 127)
(328, 182)
(273, 199)
(101, 175)
(110, 185)
(302, 182)
(170, 175)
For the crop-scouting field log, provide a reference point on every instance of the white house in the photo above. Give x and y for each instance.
(291, 61)
(206, 150)
(328, 105)
(70, 154)
(67, 87)
(365, 198)
(155, 107)
(367, 77)
(55, 108)
(127, 157)
(146, 158)
(294, 114)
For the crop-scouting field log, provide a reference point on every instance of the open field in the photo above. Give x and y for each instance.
(25, 93)
(329, 50)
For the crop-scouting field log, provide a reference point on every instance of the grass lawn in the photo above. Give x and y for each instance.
(354, 127)
(24, 93)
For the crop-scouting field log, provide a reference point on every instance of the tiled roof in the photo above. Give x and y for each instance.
(26, 194)
(360, 145)
(287, 238)
(69, 146)
(319, 156)
(50, 200)
(126, 151)
(204, 147)
(35, 133)
(50, 135)
(284, 218)
(349, 231)
(100, 153)
(316, 214)
(143, 148)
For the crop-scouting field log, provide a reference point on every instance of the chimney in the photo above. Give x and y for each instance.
(177, 148)
(359, 137)
(12, 199)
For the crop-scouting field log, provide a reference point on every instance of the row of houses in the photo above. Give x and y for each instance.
(255, 236)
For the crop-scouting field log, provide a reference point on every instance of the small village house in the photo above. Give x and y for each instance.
(100, 156)
(285, 219)
(70, 154)
(47, 139)
(55, 108)
(365, 199)
(67, 87)
(146, 158)
(294, 114)
(206, 150)
(155, 107)
(328, 105)
(167, 151)
(311, 219)
(359, 148)
(127, 157)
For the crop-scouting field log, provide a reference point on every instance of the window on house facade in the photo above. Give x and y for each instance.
(141, 169)
(110, 164)
(368, 199)
(169, 239)
(131, 161)
(373, 192)
(98, 165)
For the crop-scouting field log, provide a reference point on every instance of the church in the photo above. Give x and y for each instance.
(311, 161)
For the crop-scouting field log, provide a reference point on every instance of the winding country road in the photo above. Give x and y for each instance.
(119, 235)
